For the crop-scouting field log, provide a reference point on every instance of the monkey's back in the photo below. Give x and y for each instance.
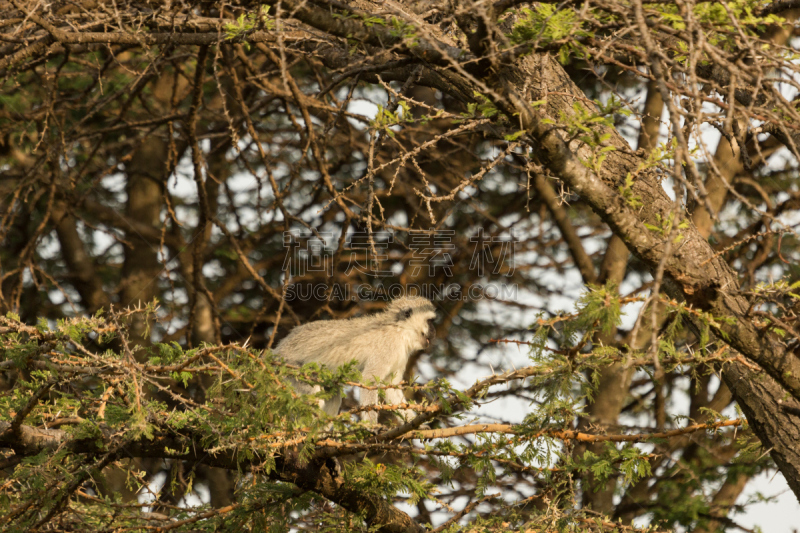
(334, 342)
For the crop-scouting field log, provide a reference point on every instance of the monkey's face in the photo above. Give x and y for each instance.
(420, 325)
(431, 332)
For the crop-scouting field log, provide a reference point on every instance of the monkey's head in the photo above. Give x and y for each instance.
(415, 315)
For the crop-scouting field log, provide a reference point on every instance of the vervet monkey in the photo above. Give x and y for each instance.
(381, 344)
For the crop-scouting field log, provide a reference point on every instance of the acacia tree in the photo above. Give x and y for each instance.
(183, 184)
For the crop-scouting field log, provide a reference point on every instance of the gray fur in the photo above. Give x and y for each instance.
(380, 343)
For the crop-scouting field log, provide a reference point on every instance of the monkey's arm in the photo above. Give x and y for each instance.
(396, 396)
(330, 406)
(393, 396)
(369, 397)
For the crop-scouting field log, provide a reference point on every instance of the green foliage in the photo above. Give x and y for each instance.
(248, 22)
(628, 461)
(547, 24)
(483, 107)
(404, 30)
(719, 23)
(599, 307)
(655, 158)
(514, 136)
(380, 479)
(385, 119)
(779, 290)
(626, 191)
(663, 226)
(592, 128)
(397, 27)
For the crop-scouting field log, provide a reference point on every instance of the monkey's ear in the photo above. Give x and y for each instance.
(406, 313)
